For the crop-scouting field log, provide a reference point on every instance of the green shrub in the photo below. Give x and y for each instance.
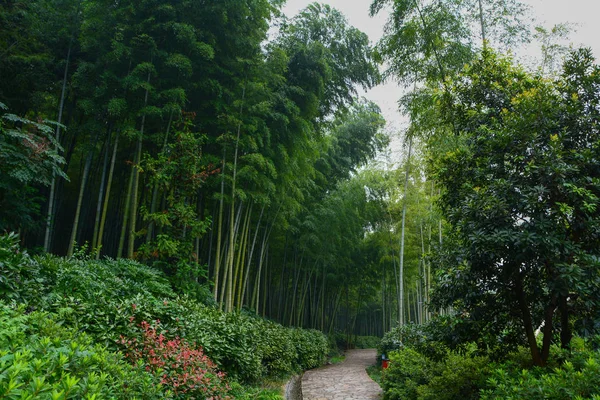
(40, 359)
(229, 339)
(101, 298)
(366, 342)
(571, 380)
(278, 352)
(20, 277)
(92, 279)
(407, 370)
(311, 347)
(106, 319)
(421, 338)
(411, 375)
(240, 392)
(460, 377)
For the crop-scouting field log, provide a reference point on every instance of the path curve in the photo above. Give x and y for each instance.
(344, 381)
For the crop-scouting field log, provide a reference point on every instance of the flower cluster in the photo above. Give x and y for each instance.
(185, 370)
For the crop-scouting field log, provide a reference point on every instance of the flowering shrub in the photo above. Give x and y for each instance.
(185, 370)
(100, 297)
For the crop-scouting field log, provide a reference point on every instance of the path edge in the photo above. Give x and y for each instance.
(293, 388)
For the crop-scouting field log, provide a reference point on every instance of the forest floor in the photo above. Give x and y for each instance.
(345, 381)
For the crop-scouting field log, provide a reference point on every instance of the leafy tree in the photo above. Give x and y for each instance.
(178, 172)
(521, 196)
(339, 54)
(28, 157)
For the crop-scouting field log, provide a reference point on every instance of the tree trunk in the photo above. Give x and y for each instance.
(548, 329)
(249, 263)
(61, 107)
(241, 258)
(101, 194)
(401, 322)
(125, 216)
(217, 268)
(527, 322)
(566, 333)
(227, 274)
(482, 24)
(107, 196)
(86, 171)
(136, 180)
(154, 200)
(229, 301)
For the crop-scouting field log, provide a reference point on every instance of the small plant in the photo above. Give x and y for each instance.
(20, 278)
(337, 359)
(374, 373)
(184, 370)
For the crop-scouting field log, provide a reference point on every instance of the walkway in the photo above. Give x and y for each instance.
(344, 381)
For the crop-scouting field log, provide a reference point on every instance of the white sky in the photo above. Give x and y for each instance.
(584, 13)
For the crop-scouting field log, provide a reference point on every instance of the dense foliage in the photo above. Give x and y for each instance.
(28, 157)
(207, 139)
(123, 307)
(514, 154)
(423, 365)
(41, 359)
(521, 197)
(218, 152)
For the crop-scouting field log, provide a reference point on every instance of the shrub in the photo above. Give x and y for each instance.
(92, 279)
(571, 380)
(406, 372)
(366, 342)
(106, 319)
(185, 370)
(411, 375)
(278, 352)
(20, 277)
(421, 338)
(100, 297)
(230, 339)
(311, 346)
(40, 359)
(460, 377)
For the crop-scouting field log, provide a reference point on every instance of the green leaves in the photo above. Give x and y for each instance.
(339, 55)
(50, 362)
(29, 155)
(522, 205)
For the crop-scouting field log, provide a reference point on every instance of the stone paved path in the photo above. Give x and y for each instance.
(344, 381)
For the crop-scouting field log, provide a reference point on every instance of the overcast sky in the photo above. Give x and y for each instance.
(584, 13)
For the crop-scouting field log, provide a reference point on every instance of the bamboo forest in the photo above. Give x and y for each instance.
(201, 199)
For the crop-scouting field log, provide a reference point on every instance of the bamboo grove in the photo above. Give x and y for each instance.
(227, 145)
(220, 142)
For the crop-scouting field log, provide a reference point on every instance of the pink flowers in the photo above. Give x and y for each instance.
(187, 371)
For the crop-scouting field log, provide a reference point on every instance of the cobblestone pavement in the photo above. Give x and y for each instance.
(344, 381)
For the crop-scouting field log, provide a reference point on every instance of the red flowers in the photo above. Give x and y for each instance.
(187, 371)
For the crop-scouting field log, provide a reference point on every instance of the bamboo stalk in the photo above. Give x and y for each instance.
(101, 193)
(136, 179)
